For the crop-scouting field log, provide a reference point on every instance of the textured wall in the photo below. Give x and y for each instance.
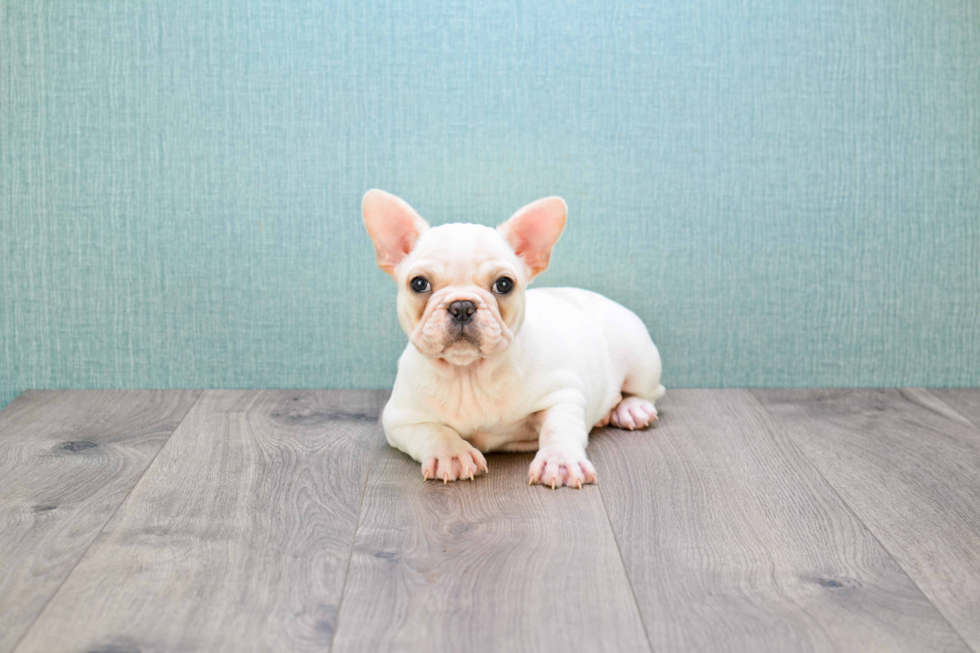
(788, 193)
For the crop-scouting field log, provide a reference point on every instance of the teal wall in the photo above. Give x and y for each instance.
(787, 192)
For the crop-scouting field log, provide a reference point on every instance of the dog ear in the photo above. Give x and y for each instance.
(393, 225)
(534, 230)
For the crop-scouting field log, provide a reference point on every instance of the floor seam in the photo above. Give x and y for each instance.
(833, 488)
(95, 539)
(626, 574)
(357, 527)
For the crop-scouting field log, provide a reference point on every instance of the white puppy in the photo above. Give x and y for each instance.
(492, 366)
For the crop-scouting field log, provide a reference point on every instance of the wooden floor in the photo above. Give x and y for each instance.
(763, 520)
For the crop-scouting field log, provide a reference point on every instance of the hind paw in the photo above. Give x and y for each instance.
(633, 413)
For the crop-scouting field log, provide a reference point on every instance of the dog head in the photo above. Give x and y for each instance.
(461, 286)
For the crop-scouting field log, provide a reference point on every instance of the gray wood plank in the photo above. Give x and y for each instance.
(733, 541)
(489, 565)
(965, 401)
(67, 460)
(909, 466)
(237, 537)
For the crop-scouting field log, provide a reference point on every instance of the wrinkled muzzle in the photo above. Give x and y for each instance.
(460, 327)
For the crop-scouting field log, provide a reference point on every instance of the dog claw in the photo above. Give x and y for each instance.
(552, 484)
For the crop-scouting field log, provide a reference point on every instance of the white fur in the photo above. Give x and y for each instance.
(544, 367)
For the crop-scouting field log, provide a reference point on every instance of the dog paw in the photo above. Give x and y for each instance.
(453, 461)
(633, 413)
(557, 466)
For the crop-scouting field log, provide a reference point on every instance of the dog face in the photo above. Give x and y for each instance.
(461, 286)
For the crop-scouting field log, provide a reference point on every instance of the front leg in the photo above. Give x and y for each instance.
(561, 449)
(443, 453)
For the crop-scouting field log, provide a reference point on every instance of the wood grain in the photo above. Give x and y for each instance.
(489, 565)
(965, 401)
(733, 542)
(909, 466)
(814, 520)
(237, 537)
(67, 460)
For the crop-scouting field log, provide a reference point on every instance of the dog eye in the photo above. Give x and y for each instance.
(503, 285)
(419, 284)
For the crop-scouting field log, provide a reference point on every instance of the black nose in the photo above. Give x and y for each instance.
(462, 311)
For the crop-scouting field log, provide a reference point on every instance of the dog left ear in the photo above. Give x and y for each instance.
(534, 230)
(393, 225)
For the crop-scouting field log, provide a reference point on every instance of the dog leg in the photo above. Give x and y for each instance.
(444, 455)
(561, 456)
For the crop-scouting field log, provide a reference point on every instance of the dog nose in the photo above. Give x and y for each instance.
(462, 311)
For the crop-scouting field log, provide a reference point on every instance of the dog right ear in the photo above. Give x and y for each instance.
(393, 225)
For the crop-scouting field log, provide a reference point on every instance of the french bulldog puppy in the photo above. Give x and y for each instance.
(493, 366)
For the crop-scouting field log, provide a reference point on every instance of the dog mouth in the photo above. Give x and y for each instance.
(462, 346)
(463, 335)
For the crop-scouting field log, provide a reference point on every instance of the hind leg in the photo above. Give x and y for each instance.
(636, 358)
(636, 409)
(641, 388)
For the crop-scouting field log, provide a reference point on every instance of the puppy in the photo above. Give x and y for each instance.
(493, 366)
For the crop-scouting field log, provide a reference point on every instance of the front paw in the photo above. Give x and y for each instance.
(557, 466)
(452, 461)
